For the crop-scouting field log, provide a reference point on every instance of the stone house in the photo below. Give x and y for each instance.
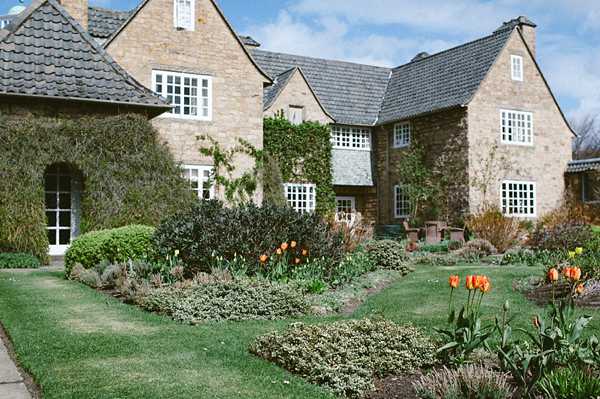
(483, 111)
(51, 67)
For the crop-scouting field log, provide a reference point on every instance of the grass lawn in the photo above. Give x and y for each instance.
(79, 343)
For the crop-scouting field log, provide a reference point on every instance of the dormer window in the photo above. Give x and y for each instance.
(516, 67)
(183, 16)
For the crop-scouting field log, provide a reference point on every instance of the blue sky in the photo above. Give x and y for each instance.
(390, 32)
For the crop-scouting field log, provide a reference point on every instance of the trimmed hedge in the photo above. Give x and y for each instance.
(207, 230)
(18, 261)
(130, 177)
(114, 245)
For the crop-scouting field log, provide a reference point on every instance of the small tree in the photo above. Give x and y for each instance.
(587, 145)
(414, 179)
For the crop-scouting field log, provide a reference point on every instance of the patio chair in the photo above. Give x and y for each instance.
(412, 234)
(433, 232)
(456, 234)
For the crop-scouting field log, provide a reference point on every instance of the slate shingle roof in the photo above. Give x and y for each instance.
(44, 52)
(442, 80)
(103, 22)
(583, 165)
(350, 93)
(279, 82)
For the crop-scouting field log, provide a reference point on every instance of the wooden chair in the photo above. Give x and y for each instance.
(456, 234)
(433, 232)
(412, 234)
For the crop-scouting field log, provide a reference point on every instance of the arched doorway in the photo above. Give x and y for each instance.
(63, 185)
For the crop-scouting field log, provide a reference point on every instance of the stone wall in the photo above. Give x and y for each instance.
(297, 93)
(546, 160)
(150, 42)
(436, 132)
(365, 199)
(78, 9)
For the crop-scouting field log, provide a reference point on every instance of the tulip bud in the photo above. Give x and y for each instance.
(571, 254)
(506, 306)
(578, 250)
(535, 321)
(293, 244)
(553, 274)
(580, 289)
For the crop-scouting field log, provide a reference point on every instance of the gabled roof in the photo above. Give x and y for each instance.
(133, 13)
(443, 80)
(270, 93)
(583, 165)
(350, 93)
(103, 22)
(45, 53)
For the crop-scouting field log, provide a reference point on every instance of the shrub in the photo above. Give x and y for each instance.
(86, 250)
(207, 230)
(353, 234)
(89, 277)
(18, 261)
(470, 382)
(501, 231)
(570, 383)
(239, 299)
(390, 254)
(476, 249)
(113, 245)
(444, 246)
(563, 236)
(343, 357)
(127, 242)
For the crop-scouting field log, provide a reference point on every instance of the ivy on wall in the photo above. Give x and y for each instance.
(130, 177)
(304, 154)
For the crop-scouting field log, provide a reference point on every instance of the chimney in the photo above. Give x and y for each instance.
(78, 9)
(528, 30)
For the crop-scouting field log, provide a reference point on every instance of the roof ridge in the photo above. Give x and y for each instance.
(319, 59)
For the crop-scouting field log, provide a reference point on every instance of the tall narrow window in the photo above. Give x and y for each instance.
(402, 134)
(516, 67)
(301, 197)
(200, 180)
(190, 94)
(518, 198)
(401, 203)
(184, 14)
(516, 127)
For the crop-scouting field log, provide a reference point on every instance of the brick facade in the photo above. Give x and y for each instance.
(365, 199)
(150, 42)
(546, 160)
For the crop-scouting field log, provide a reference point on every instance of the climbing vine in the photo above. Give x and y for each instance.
(130, 177)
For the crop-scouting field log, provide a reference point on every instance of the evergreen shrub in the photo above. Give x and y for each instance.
(112, 245)
(207, 231)
(130, 177)
(390, 254)
(18, 261)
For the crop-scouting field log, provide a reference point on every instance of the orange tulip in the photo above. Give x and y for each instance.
(478, 281)
(567, 271)
(535, 321)
(293, 244)
(297, 260)
(470, 282)
(263, 257)
(485, 286)
(278, 251)
(580, 289)
(284, 246)
(454, 281)
(553, 274)
(304, 252)
(575, 273)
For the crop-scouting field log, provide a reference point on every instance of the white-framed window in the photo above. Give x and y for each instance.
(516, 67)
(516, 127)
(296, 115)
(351, 138)
(190, 94)
(183, 14)
(301, 197)
(401, 203)
(518, 198)
(200, 180)
(402, 134)
(343, 210)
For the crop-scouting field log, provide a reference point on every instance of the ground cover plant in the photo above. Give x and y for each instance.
(18, 261)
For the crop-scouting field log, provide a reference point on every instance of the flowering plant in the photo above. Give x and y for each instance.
(466, 332)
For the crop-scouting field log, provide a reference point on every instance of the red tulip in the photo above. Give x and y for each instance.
(304, 252)
(485, 286)
(575, 273)
(454, 281)
(553, 274)
(470, 282)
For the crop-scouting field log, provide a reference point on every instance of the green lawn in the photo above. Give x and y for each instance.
(79, 343)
